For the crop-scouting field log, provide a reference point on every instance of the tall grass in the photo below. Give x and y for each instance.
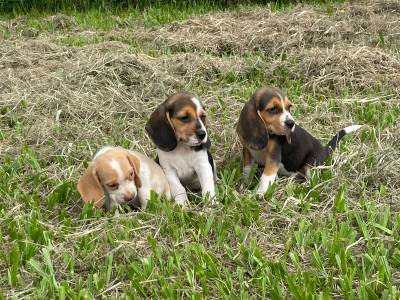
(17, 7)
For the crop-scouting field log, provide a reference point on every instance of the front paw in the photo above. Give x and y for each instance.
(181, 200)
(265, 183)
(210, 195)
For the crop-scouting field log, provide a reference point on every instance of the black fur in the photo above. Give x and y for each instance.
(210, 160)
(160, 130)
(250, 128)
(305, 149)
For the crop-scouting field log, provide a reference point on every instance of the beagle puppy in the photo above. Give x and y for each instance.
(178, 129)
(117, 176)
(270, 136)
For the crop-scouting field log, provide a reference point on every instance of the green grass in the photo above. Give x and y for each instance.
(335, 236)
(352, 251)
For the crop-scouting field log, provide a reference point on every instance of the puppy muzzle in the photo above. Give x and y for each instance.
(289, 129)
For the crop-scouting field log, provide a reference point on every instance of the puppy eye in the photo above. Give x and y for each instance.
(290, 107)
(113, 186)
(272, 110)
(184, 119)
(131, 174)
(203, 116)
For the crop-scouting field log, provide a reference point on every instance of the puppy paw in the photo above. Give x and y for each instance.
(181, 200)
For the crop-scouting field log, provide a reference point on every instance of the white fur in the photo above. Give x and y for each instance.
(117, 168)
(185, 166)
(265, 182)
(352, 128)
(198, 110)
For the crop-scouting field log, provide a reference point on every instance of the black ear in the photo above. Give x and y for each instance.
(160, 130)
(251, 128)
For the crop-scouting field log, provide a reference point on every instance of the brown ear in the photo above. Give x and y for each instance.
(160, 130)
(251, 128)
(90, 188)
(135, 163)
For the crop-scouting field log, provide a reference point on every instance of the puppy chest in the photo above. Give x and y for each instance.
(183, 168)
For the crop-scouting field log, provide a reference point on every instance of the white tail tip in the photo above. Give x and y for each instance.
(352, 128)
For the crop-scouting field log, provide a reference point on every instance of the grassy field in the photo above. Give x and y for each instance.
(70, 84)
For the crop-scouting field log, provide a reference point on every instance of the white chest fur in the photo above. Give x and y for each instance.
(184, 161)
(183, 165)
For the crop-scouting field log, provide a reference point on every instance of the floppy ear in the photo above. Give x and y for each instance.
(135, 163)
(160, 130)
(90, 188)
(251, 128)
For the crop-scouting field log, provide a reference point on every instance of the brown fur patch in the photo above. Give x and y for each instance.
(272, 157)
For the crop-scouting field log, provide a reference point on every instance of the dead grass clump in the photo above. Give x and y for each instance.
(359, 69)
(274, 32)
(61, 21)
(56, 91)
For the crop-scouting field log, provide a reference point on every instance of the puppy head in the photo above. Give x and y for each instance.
(267, 112)
(112, 175)
(181, 118)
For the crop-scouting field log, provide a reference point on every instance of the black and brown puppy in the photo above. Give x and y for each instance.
(270, 136)
(178, 128)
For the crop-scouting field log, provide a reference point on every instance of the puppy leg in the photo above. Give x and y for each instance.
(177, 190)
(267, 178)
(247, 163)
(144, 197)
(283, 172)
(206, 178)
(272, 160)
(305, 173)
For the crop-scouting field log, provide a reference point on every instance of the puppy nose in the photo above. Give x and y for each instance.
(201, 134)
(289, 123)
(128, 197)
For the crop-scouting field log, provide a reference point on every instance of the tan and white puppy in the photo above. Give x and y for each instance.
(270, 137)
(117, 176)
(178, 129)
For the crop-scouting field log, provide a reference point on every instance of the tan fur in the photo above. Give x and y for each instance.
(184, 130)
(90, 188)
(135, 163)
(271, 120)
(101, 176)
(271, 162)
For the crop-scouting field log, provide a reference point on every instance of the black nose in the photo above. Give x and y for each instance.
(201, 134)
(289, 123)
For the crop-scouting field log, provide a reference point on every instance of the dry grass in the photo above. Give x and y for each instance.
(339, 68)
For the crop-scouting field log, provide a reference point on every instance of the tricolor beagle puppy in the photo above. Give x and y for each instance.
(178, 129)
(269, 136)
(117, 176)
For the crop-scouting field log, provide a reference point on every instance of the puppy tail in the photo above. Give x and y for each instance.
(335, 141)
